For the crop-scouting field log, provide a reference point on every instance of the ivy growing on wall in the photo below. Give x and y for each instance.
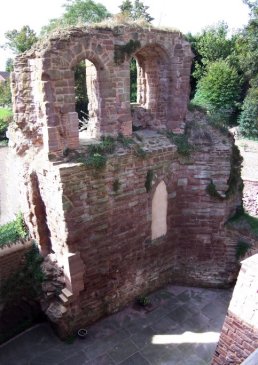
(125, 50)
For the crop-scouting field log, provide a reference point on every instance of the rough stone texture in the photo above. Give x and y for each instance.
(250, 197)
(11, 258)
(239, 336)
(43, 85)
(101, 236)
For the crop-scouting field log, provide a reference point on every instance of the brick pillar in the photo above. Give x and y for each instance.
(239, 336)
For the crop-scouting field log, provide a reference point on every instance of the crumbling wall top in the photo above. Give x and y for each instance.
(44, 88)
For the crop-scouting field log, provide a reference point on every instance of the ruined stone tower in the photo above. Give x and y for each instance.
(145, 218)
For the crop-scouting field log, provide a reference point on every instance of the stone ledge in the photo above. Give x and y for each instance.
(15, 246)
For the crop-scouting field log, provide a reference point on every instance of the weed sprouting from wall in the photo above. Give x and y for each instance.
(116, 185)
(125, 141)
(139, 151)
(234, 181)
(148, 181)
(212, 190)
(184, 148)
(125, 50)
(96, 157)
(241, 249)
(27, 281)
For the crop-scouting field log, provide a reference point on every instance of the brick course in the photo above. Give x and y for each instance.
(102, 237)
(239, 336)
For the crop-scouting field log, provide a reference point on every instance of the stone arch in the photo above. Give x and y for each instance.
(153, 84)
(96, 81)
(159, 209)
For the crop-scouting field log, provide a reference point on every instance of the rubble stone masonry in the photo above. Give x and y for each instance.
(239, 336)
(98, 222)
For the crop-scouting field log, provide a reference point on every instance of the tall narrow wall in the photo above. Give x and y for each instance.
(239, 336)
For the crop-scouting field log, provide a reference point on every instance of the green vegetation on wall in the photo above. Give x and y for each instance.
(12, 231)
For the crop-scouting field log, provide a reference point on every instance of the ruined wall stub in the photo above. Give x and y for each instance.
(239, 335)
(101, 237)
(43, 85)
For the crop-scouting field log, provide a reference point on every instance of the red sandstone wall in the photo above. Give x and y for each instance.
(43, 85)
(11, 259)
(239, 336)
(110, 232)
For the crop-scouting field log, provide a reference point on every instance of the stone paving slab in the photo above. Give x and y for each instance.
(181, 327)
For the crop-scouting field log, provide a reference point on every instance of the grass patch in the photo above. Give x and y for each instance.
(107, 145)
(212, 190)
(184, 148)
(5, 113)
(95, 160)
(241, 249)
(96, 157)
(148, 181)
(125, 141)
(244, 218)
(12, 231)
(5, 119)
(116, 185)
(139, 151)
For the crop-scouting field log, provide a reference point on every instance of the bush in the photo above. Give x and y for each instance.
(5, 118)
(248, 120)
(5, 94)
(12, 231)
(219, 89)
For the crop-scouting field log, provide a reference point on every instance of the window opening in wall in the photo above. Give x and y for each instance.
(152, 90)
(133, 81)
(87, 98)
(81, 96)
(159, 211)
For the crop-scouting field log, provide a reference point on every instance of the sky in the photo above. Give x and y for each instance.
(185, 15)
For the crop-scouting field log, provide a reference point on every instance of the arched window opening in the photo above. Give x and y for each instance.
(133, 81)
(153, 88)
(81, 96)
(87, 98)
(159, 211)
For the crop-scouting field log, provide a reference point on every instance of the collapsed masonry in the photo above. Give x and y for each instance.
(146, 217)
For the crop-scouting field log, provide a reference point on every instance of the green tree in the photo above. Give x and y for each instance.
(85, 11)
(135, 11)
(81, 97)
(9, 65)
(5, 94)
(20, 41)
(211, 45)
(78, 11)
(219, 89)
(248, 120)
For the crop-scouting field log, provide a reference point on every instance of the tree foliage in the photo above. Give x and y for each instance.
(84, 11)
(248, 120)
(5, 93)
(78, 12)
(20, 41)
(219, 89)
(135, 10)
(211, 45)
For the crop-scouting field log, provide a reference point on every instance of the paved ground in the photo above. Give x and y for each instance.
(249, 152)
(181, 327)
